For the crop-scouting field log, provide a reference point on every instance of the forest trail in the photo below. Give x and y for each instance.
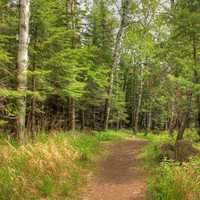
(119, 176)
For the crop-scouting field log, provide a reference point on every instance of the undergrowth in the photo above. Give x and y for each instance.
(163, 137)
(175, 181)
(51, 167)
(170, 180)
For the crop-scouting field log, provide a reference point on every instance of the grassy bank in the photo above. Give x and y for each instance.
(170, 180)
(51, 168)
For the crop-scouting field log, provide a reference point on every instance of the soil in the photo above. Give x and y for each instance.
(119, 174)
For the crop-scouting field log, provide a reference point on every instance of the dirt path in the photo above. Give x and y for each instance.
(119, 176)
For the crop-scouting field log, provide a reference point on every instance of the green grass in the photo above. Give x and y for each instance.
(150, 155)
(168, 180)
(175, 181)
(113, 135)
(163, 137)
(50, 168)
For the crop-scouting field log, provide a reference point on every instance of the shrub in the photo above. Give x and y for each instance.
(175, 181)
(170, 180)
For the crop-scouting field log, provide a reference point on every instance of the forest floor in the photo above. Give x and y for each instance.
(119, 175)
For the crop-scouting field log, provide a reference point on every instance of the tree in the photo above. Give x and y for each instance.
(185, 36)
(22, 65)
(99, 64)
(115, 59)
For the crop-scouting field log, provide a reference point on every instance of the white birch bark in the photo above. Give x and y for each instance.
(116, 60)
(22, 65)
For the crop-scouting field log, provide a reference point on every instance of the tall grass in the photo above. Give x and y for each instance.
(175, 181)
(170, 180)
(36, 170)
(50, 168)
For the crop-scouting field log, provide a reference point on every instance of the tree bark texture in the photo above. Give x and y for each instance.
(22, 65)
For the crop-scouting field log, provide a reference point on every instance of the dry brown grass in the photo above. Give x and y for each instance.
(36, 171)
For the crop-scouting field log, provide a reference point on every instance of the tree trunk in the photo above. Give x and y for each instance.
(116, 60)
(71, 6)
(82, 116)
(139, 101)
(133, 97)
(172, 119)
(196, 78)
(198, 117)
(172, 3)
(93, 118)
(185, 118)
(149, 121)
(149, 114)
(33, 104)
(72, 115)
(118, 122)
(22, 65)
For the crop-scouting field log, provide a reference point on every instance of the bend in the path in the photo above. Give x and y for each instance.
(119, 175)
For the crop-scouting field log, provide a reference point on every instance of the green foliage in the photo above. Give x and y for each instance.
(86, 145)
(191, 134)
(46, 186)
(112, 135)
(157, 138)
(149, 156)
(5, 183)
(169, 180)
(175, 181)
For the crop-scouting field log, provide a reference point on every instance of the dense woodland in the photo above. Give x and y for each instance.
(112, 81)
(99, 64)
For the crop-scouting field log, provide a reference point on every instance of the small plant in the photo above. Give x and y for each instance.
(46, 186)
(169, 180)
(175, 181)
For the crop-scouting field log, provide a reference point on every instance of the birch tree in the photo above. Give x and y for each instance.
(116, 60)
(22, 65)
